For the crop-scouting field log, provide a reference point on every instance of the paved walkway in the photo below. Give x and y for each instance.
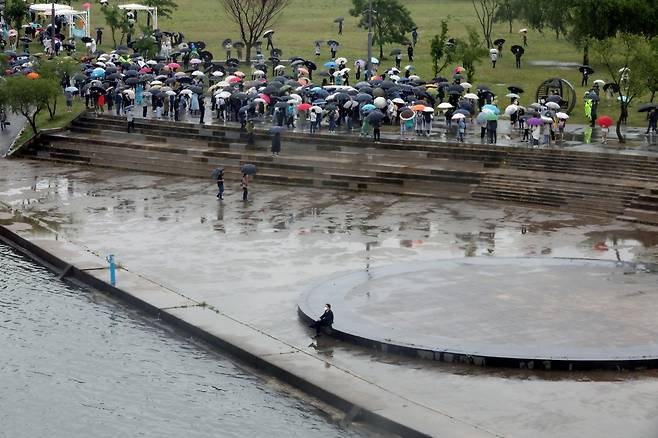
(11, 132)
(254, 260)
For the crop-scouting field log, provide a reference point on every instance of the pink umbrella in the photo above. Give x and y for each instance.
(173, 65)
(265, 97)
(86, 6)
(234, 80)
(195, 61)
(145, 70)
(304, 106)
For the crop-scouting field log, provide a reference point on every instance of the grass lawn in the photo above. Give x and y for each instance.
(62, 118)
(305, 21)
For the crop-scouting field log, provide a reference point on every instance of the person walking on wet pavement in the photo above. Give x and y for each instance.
(220, 185)
(130, 118)
(653, 121)
(244, 183)
(326, 320)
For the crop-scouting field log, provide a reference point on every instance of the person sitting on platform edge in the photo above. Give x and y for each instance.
(326, 320)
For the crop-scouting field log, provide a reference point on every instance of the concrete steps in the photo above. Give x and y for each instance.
(624, 186)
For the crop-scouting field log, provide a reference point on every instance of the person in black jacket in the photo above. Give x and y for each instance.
(326, 320)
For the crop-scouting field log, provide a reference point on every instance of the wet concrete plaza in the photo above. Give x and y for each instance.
(509, 311)
(254, 260)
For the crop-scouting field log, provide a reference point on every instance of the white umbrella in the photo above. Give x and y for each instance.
(280, 67)
(170, 93)
(428, 109)
(152, 62)
(217, 74)
(224, 94)
(513, 96)
(258, 73)
(524, 30)
(445, 106)
(458, 116)
(156, 83)
(398, 100)
(198, 73)
(188, 92)
(466, 85)
(222, 84)
(316, 109)
(552, 105)
(296, 97)
(561, 115)
(380, 102)
(341, 60)
(414, 77)
(471, 96)
(511, 109)
(599, 82)
(492, 51)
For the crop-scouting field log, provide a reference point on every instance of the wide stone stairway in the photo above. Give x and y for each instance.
(600, 184)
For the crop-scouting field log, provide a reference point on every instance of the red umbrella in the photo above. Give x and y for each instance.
(265, 97)
(304, 106)
(605, 121)
(234, 80)
(173, 65)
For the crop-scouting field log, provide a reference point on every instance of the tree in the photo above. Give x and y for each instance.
(442, 53)
(55, 69)
(253, 17)
(15, 12)
(391, 21)
(507, 12)
(28, 97)
(624, 57)
(165, 8)
(485, 10)
(469, 51)
(117, 20)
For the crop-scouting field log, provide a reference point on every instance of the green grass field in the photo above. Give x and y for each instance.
(308, 20)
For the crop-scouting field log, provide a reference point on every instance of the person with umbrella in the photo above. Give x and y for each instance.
(202, 110)
(653, 121)
(276, 141)
(499, 46)
(410, 53)
(220, 183)
(317, 49)
(494, 57)
(244, 183)
(398, 59)
(586, 70)
(333, 47)
(492, 127)
(130, 118)
(99, 36)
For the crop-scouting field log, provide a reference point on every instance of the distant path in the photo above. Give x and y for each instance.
(11, 132)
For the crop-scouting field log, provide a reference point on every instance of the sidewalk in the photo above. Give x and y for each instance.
(10, 133)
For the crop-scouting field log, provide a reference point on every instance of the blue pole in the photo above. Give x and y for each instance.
(113, 270)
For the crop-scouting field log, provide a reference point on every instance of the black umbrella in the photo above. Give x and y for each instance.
(201, 45)
(396, 52)
(455, 90)
(586, 69)
(517, 49)
(499, 42)
(282, 105)
(276, 53)
(482, 87)
(647, 107)
(515, 89)
(233, 62)
(611, 85)
(249, 169)
(463, 111)
(132, 81)
(297, 61)
(554, 98)
(333, 42)
(216, 172)
(338, 19)
(592, 96)
(375, 116)
(310, 65)
(113, 76)
(363, 97)
(239, 45)
(197, 90)
(226, 44)
(86, 39)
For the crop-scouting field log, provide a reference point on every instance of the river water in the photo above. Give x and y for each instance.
(75, 364)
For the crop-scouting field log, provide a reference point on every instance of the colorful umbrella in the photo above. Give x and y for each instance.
(605, 121)
(534, 121)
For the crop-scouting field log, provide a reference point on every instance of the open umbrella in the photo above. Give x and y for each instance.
(249, 169)
(513, 96)
(333, 43)
(516, 49)
(268, 32)
(396, 51)
(499, 42)
(216, 172)
(472, 96)
(445, 106)
(586, 69)
(458, 116)
(515, 89)
(535, 121)
(494, 109)
(511, 109)
(407, 115)
(647, 107)
(375, 116)
(338, 19)
(562, 115)
(71, 89)
(553, 105)
(304, 106)
(605, 121)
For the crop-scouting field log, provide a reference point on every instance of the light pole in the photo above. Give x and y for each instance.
(368, 61)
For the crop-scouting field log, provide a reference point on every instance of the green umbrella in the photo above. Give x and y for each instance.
(490, 116)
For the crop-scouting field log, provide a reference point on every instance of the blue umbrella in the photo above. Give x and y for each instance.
(493, 108)
(368, 107)
(98, 72)
(330, 64)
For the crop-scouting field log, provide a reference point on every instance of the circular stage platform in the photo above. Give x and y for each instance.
(547, 313)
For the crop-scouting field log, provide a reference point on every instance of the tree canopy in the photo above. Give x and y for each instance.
(253, 17)
(391, 21)
(29, 97)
